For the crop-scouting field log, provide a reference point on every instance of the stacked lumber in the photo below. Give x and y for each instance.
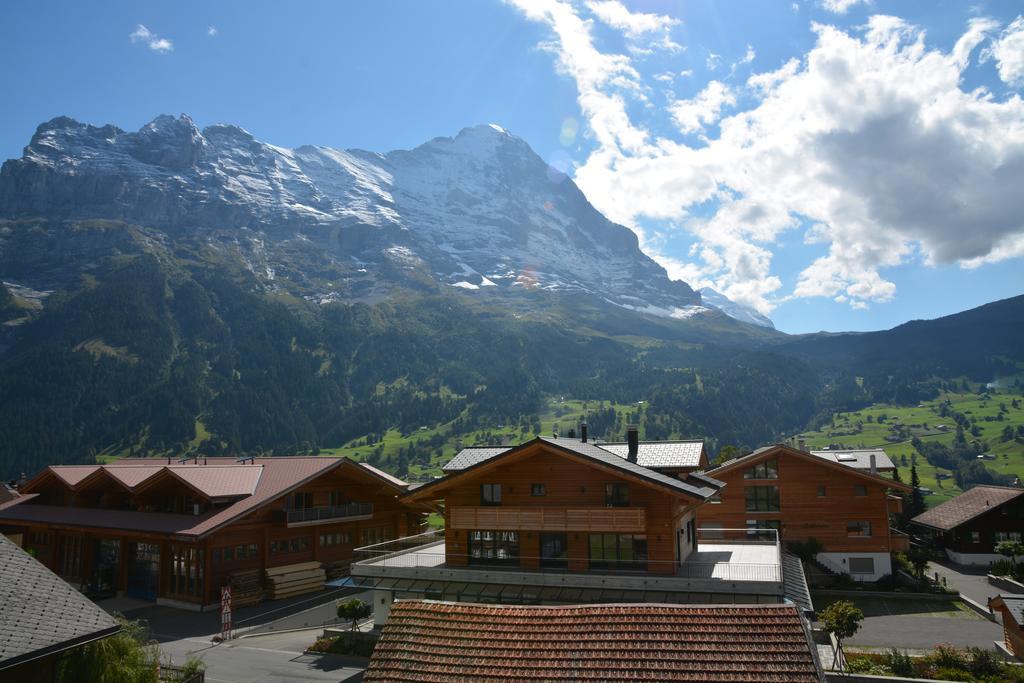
(246, 588)
(337, 570)
(294, 579)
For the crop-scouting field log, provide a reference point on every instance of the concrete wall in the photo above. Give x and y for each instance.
(977, 559)
(840, 562)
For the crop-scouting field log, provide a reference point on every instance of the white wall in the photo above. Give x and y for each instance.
(681, 538)
(983, 559)
(840, 563)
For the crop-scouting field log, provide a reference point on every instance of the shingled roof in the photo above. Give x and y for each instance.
(460, 642)
(42, 614)
(859, 458)
(966, 506)
(651, 454)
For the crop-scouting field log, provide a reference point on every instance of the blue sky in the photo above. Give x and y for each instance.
(865, 183)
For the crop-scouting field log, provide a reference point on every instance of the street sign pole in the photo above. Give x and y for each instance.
(225, 613)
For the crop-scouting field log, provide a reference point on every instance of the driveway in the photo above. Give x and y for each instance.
(970, 581)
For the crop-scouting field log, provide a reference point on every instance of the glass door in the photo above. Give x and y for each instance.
(554, 551)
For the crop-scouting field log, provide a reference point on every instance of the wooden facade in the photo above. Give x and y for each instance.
(1011, 609)
(803, 496)
(538, 506)
(188, 566)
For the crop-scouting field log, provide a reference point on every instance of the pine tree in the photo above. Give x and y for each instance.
(916, 504)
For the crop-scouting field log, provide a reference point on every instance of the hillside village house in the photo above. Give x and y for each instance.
(968, 526)
(176, 532)
(564, 520)
(804, 495)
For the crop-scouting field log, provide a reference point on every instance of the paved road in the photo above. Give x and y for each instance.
(276, 658)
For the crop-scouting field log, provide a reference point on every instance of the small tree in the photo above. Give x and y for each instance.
(841, 619)
(919, 559)
(354, 610)
(1010, 549)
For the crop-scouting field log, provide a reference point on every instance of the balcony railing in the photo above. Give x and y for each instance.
(604, 519)
(900, 540)
(329, 512)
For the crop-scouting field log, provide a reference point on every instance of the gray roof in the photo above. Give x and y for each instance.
(661, 453)
(794, 583)
(859, 458)
(699, 488)
(470, 456)
(42, 614)
(1015, 604)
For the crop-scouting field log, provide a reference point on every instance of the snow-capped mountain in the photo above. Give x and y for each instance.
(732, 309)
(477, 211)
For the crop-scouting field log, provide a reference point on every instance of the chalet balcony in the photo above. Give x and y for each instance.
(900, 541)
(328, 513)
(500, 518)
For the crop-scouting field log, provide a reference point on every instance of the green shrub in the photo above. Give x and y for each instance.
(984, 662)
(899, 663)
(1001, 568)
(350, 643)
(948, 657)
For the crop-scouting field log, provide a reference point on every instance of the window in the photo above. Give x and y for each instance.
(240, 553)
(762, 498)
(715, 499)
(337, 538)
(616, 495)
(490, 494)
(494, 547)
(336, 499)
(376, 535)
(862, 565)
(975, 537)
(1007, 536)
(302, 500)
(858, 529)
(618, 551)
(860, 490)
(769, 469)
(229, 554)
(290, 545)
(756, 527)
(822, 490)
(538, 490)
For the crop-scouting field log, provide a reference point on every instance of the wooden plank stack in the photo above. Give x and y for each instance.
(294, 579)
(246, 588)
(337, 570)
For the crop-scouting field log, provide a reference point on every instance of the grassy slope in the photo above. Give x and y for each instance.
(853, 430)
(561, 412)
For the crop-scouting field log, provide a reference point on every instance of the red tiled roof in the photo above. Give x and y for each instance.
(260, 482)
(460, 642)
(965, 507)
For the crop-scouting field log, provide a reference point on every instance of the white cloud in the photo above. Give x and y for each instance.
(712, 61)
(1008, 53)
(637, 27)
(746, 59)
(692, 115)
(840, 6)
(141, 34)
(869, 137)
(211, 31)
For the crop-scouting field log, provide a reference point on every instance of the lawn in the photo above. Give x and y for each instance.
(862, 429)
(873, 606)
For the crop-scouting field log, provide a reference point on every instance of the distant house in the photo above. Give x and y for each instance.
(439, 641)
(1011, 607)
(175, 533)
(839, 502)
(43, 618)
(969, 526)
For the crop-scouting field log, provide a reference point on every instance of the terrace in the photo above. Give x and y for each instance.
(726, 561)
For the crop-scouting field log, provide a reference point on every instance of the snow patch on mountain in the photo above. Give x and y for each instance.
(741, 312)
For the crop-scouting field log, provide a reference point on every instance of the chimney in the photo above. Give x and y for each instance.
(803, 444)
(583, 432)
(874, 464)
(633, 441)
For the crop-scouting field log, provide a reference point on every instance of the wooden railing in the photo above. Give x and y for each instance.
(900, 541)
(624, 519)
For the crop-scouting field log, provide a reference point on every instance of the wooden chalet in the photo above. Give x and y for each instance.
(569, 504)
(1011, 609)
(177, 532)
(802, 495)
(969, 526)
